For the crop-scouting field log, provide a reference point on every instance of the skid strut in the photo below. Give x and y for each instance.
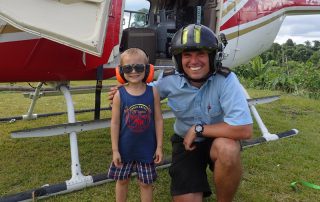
(266, 135)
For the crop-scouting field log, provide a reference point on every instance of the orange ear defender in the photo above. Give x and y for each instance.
(149, 74)
(119, 76)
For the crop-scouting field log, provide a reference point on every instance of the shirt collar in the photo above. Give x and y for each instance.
(184, 81)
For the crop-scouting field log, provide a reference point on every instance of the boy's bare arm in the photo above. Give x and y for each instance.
(115, 129)
(158, 125)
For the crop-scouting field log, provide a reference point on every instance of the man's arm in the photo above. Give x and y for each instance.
(237, 121)
(219, 130)
(113, 91)
(225, 130)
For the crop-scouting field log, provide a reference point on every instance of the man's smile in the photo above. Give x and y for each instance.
(195, 68)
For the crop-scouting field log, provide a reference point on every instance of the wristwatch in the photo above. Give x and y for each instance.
(198, 129)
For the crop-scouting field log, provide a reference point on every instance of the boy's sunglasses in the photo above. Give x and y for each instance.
(139, 68)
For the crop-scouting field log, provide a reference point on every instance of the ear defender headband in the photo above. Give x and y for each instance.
(148, 77)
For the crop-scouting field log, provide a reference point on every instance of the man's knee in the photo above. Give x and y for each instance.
(225, 149)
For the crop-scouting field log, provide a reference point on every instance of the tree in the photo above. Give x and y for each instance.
(301, 53)
(289, 43)
(288, 53)
(315, 58)
(288, 50)
(308, 44)
(316, 45)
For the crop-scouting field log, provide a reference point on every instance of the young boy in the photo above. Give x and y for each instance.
(136, 127)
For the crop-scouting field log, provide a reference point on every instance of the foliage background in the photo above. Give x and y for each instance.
(288, 67)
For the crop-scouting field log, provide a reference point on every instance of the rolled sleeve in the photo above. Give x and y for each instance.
(234, 103)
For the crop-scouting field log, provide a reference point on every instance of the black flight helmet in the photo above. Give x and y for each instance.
(192, 38)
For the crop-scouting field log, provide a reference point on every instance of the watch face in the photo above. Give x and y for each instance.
(198, 128)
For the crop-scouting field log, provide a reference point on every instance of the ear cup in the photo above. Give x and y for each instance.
(220, 47)
(213, 62)
(177, 61)
(120, 76)
(149, 74)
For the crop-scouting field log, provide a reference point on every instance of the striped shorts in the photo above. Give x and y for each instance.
(146, 172)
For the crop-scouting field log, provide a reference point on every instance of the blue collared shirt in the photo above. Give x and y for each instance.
(220, 99)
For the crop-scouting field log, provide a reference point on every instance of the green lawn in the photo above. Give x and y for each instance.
(268, 168)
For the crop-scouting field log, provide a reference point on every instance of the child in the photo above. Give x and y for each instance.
(136, 127)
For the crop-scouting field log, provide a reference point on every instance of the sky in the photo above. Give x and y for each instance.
(299, 29)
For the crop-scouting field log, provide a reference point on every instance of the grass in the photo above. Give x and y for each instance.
(268, 168)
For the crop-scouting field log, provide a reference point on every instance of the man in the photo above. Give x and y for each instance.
(212, 115)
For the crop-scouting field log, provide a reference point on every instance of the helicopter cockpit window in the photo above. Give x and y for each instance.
(136, 13)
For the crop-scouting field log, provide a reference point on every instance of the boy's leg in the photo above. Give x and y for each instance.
(145, 192)
(146, 176)
(122, 176)
(122, 190)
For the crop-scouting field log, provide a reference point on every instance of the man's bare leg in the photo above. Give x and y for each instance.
(227, 170)
(191, 197)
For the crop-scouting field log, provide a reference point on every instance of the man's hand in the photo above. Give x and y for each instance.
(189, 139)
(112, 92)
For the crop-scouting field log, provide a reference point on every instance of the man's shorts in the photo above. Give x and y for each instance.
(188, 168)
(146, 172)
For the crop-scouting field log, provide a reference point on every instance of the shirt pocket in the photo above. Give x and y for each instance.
(214, 113)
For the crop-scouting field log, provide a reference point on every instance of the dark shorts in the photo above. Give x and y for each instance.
(188, 168)
(146, 172)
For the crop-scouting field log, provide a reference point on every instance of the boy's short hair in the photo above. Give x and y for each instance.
(134, 52)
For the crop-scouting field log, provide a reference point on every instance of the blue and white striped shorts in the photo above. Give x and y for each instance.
(146, 172)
